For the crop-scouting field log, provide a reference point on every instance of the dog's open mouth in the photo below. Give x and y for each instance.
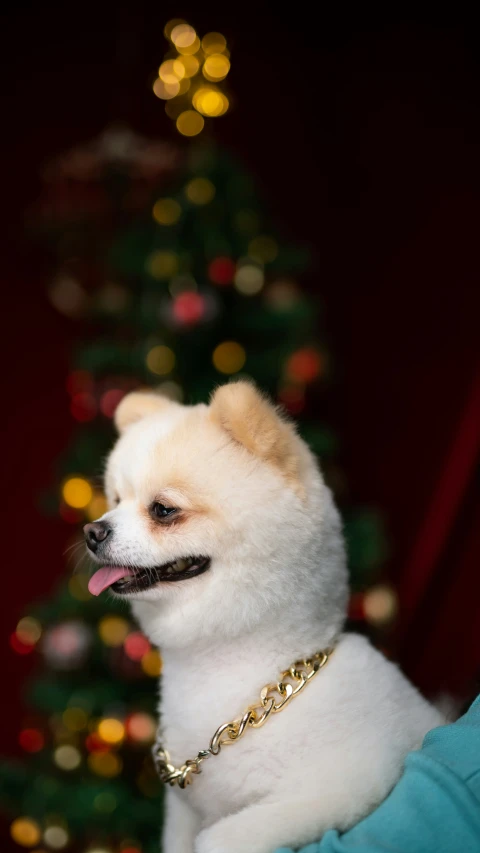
(123, 580)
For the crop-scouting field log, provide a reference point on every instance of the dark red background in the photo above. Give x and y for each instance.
(364, 134)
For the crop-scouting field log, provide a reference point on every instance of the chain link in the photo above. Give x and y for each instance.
(274, 697)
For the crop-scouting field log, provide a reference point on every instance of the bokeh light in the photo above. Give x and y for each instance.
(113, 630)
(56, 837)
(305, 365)
(77, 492)
(190, 64)
(171, 71)
(213, 43)
(200, 191)
(136, 645)
(165, 91)
(75, 719)
(106, 803)
(110, 400)
(111, 730)
(107, 764)
(188, 308)
(29, 630)
(67, 757)
(221, 270)
(160, 360)
(152, 663)
(380, 605)
(263, 249)
(229, 357)
(162, 264)
(166, 211)
(97, 507)
(190, 123)
(216, 67)
(209, 101)
(25, 832)
(31, 740)
(141, 727)
(249, 279)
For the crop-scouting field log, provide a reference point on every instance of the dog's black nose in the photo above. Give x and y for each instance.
(95, 533)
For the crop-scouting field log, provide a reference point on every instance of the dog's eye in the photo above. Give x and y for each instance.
(161, 511)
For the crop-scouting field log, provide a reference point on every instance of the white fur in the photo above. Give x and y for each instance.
(276, 591)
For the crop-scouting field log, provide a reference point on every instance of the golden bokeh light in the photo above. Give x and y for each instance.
(25, 832)
(166, 211)
(183, 35)
(170, 25)
(162, 264)
(190, 123)
(106, 764)
(29, 630)
(152, 663)
(113, 630)
(214, 43)
(249, 279)
(77, 492)
(190, 65)
(200, 191)
(171, 71)
(97, 507)
(229, 357)
(75, 719)
(165, 91)
(210, 101)
(160, 360)
(380, 605)
(111, 730)
(263, 249)
(216, 67)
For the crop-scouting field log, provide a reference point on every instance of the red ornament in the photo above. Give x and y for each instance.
(221, 270)
(305, 365)
(31, 740)
(110, 400)
(188, 308)
(83, 407)
(136, 646)
(19, 646)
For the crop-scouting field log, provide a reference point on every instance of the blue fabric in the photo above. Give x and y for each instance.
(434, 808)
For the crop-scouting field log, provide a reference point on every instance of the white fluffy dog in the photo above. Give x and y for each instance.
(225, 538)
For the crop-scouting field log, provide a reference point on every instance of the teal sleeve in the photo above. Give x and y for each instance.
(434, 808)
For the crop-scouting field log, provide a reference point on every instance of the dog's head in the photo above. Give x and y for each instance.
(219, 518)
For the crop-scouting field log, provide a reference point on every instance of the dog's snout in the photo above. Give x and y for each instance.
(95, 533)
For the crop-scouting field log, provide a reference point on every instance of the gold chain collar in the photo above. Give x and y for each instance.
(291, 682)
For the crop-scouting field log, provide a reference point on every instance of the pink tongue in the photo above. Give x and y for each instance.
(105, 577)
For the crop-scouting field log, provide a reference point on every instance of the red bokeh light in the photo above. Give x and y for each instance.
(188, 308)
(31, 740)
(19, 646)
(79, 381)
(136, 646)
(94, 743)
(221, 270)
(110, 400)
(305, 365)
(83, 407)
(70, 515)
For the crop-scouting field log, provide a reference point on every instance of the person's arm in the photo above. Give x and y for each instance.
(434, 808)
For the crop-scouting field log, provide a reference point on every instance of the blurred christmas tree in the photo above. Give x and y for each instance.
(167, 261)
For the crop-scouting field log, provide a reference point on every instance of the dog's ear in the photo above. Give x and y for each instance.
(252, 421)
(138, 405)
